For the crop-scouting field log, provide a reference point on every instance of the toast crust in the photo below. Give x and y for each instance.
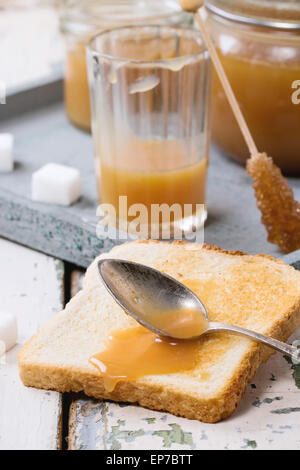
(153, 396)
(211, 410)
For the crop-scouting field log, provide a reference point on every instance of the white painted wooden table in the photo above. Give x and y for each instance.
(31, 287)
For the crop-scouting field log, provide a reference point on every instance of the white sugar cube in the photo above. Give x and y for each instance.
(8, 331)
(6, 152)
(56, 184)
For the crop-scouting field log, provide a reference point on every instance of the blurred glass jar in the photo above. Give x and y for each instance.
(81, 19)
(259, 45)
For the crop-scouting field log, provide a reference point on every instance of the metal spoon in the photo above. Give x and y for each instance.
(147, 294)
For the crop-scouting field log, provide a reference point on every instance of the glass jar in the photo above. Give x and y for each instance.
(259, 45)
(81, 19)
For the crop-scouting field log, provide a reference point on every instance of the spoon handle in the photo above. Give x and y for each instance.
(285, 348)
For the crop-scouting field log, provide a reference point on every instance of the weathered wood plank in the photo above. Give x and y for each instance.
(31, 287)
(267, 418)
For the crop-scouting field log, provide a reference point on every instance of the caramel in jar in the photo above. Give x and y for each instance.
(264, 91)
(76, 88)
(262, 64)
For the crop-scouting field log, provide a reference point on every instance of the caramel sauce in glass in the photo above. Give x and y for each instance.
(152, 172)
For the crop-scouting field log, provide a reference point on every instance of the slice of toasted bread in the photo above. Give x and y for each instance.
(256, 292)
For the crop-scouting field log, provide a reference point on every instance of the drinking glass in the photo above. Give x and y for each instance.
(149, 93)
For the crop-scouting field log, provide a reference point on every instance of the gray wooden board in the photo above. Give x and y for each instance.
(44, 135)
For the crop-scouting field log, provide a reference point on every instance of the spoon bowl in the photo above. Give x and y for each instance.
(167, 307)
(153, 298)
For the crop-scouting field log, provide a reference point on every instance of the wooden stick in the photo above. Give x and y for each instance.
(226, 85)
(195, 7)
